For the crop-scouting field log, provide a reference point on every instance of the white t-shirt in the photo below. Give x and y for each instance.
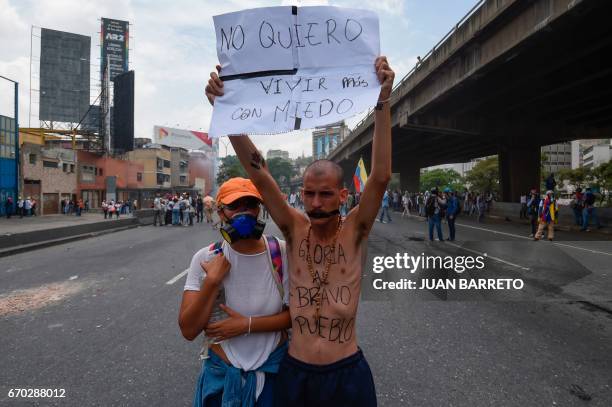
(250, 289)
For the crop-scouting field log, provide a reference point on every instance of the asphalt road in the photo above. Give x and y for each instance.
(98, 318)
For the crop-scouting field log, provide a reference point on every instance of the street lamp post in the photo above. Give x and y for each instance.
(225, 144)
(16, 134)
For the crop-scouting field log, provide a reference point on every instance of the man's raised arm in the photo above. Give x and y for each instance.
(283, 215)
(380, 174)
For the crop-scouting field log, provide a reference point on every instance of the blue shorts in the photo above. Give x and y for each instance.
(347, 382)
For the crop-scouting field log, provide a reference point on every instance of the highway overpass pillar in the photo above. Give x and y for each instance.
(519, 171)
(410, 176)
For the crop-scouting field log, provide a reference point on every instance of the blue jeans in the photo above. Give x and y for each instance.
(176, 217)
(435, 220)
(451, 226)
(266, 398)
(589, 212)
(385, 210)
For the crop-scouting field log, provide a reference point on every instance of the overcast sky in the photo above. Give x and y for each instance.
(172, 50)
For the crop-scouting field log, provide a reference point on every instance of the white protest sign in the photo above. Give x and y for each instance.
(239, 41)
(277, 104)
(287, 68)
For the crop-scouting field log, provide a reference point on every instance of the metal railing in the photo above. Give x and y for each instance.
(420, 62)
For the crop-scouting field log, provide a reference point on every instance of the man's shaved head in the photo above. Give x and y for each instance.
(325, 167)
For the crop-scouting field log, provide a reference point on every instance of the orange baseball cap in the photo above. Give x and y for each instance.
(236, 188)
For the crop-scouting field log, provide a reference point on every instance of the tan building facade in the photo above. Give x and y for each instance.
(49, 175)
(157, 163)
(179, 178)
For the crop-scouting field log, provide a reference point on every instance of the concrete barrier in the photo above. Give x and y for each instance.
(36, 236)
(145, 216)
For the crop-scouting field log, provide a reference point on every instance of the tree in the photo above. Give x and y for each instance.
(578, 177)
(281, 170)
(484, 177)
(440, 178)
(230, 167)
(602, 177)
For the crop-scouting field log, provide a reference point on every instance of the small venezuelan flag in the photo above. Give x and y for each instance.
(360, 177)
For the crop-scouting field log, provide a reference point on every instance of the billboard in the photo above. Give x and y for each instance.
(115, 46)
(64, 76)
(189, 139)
(123, 120)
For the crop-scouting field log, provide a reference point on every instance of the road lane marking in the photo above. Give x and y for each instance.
(529, 238)
(582, 248)
(177, 277)
(494, 231)
(490, 257)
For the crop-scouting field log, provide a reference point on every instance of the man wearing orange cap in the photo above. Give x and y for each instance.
(238, 293)
(324, 366)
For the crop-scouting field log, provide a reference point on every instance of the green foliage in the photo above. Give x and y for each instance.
(603, 177)
(441, 178)
(599, 178)
(230, 167)
(543, 161)
(484, 177)
(579, 177)
(281, 170)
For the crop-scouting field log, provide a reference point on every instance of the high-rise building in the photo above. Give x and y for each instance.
(179, 177)
(590, 153)
(277, 154)
(325, 139)
(556, 157)
(593, 156)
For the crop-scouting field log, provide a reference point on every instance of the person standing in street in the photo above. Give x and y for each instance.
(20, 210)
(547, 217)
(157, 207)
(533, 205)
(27, 206)
(434, 207)
(550, 182)
(452, 210)
(523, 213)
(237, 294)
(176, 212)
(208, 208)
(199, 209)
(589, 211)
(406, 204)
(385, 208)
(8, 207)
(577, 205)
(321, 369)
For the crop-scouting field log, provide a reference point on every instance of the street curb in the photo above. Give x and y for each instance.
(54, 242)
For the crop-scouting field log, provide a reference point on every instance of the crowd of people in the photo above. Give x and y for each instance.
(25, 207)
(436, 206)
(181, 209)
(76, 207)
(541, 211)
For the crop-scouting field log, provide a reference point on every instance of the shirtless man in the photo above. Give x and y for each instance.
(324, 366)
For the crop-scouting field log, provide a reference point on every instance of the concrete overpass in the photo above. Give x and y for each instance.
(510, 77)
